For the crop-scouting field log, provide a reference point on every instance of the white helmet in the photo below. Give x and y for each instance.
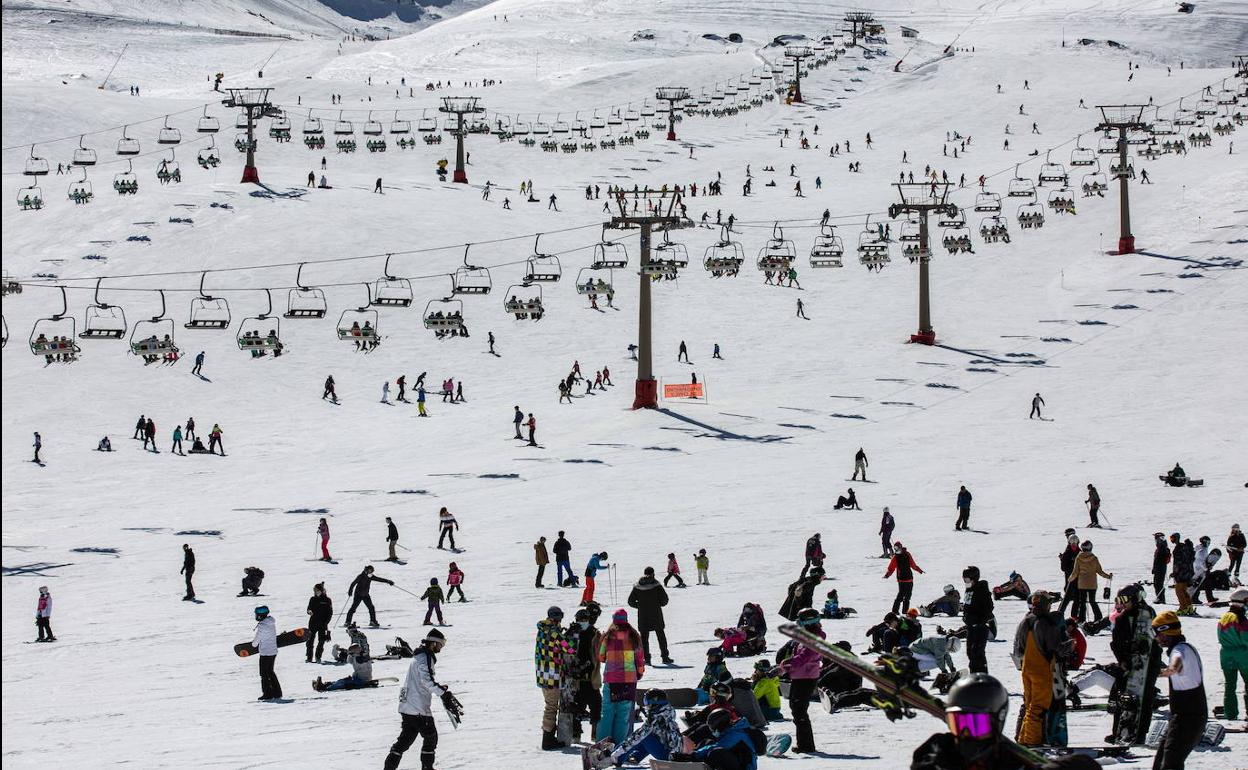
(1240, 596)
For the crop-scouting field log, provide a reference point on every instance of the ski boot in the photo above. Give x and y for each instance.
(318, 685)
(550, 742)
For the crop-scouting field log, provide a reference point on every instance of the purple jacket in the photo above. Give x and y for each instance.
(805, 663)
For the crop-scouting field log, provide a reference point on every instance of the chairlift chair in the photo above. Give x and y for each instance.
(153, 337)
(372, 127)
(35, 166)
(560, 126)
(988, 202)
(1030, 216)
(168, 134)
(541, 267)
(80, 190)
(343, 127)
(30, 198)
(279, 127)
(590, 280)
(1184, 117)
(261, 333)
(1082, 156)
(426, 123)
(169, 170)
(207, 124)
(304, 301)
(445, 315)
(647, 110)
(524, 301)
(1206, 106)
(954, 217)
(1119, 169)
(126, 183)
(630, 115)
(670, 253)
(359, 325)
(522, 127)
(872, 248)
(400, 127)
(956, 239)
(208, 157)
(127, 146)
(540, 128)
(1021, 187)
(83, 155)
(1227, 96)
(597, 123)
(580, 125)
(208, 312)
(993, 229)
(1053, 172)
(1107, 145)
(778, 253)
(909, 231)
(312, 126)
(55, 335)
(391, 291)
(242, 121)
(1094, 184)
(828, 250)
(470, 279)
(103, 321)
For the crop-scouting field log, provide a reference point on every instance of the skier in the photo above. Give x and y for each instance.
(550, 649)
(265, 640)
(860, 465)
(1188, 708)
(189, 433)
(977, 614)
(532, 425)
(322, 531)
(904, 565)
(420, 399)
(188, 571)
(1161, 558)
(392, 539)
(360, 589)
(541, 557)
(455, 579)
(329, 390)
(320, 613)
(199, 364)
(649, 598)
(177, 440)
(803, 668)
(625, 664)
(1083, 576)
(402, 383)
(596, 562)
(887, 524)
(415, 701)
(563, 550)
(814, 553)
(964, 509)
(446, 527)
(673, 571)
(1038, 649)
(517, 420)
(715, 352)
(433, 596)
(140, 428)
(682, 353)
(1233, 641)
(252, 577)
(1036, 403)
(1094, 506)
(702, 562)
(385, 392)
(43, 616)
(801, 312)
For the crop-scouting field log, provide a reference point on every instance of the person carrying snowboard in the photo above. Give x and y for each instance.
(320, 613)
(904, 565)
(360, 589)
(1189, 710)
(416, 701)
(43, 616)
(1134, 650)
(265, 640)
(188, 571)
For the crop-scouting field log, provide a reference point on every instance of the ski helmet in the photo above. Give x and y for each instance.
(1167, 624)
(262, 612)
(971, 572)
(1013, 576)
(715, 654)
(594, 609)
(948, 588)
(1239, 596)
(808, 617)
(1128, 594)
(718, 721)
(720, 690)
(762, 665)
(654, 697)
(581, 616)
(554, 613)
(1086, 546)
(1040, 601)
(976, 708)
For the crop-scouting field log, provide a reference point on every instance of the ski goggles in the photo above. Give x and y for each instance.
(968, 725)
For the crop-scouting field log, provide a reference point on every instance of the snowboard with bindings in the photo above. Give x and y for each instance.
(1131, 705)
(678, 697)
(284, 639)
(777, 745)
(595, 755)
(899, 693)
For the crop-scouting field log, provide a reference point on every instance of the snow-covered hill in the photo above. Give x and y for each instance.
(1134, 355)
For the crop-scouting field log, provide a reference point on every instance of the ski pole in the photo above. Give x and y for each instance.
(404, 590)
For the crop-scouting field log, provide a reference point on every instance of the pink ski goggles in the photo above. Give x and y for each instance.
(968, 725)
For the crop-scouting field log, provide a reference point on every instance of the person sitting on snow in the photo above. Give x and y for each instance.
(950, 603)
(361, 673)
(659, 736)
(848, 500)
(716, 671)
(832, 607)
(767, 690)
(105, 445)
(1015, 587)
(730, 743)
(1177, 477)
(732, 639)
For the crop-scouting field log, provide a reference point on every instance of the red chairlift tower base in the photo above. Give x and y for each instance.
(924, 337)
(646, 394)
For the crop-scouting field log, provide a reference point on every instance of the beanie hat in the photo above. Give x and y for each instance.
(619, 616)
(554, 613)
(1167, 623)
(435, 635)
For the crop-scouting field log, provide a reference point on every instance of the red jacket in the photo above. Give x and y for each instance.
(903, 568)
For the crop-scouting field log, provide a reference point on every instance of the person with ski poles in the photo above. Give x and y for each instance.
(433, 595)
(1094, 506)
(360, 589)
(517, 420)
(392, 539)
(596, 562)
(322, 531)
(416, 701)
(320, 614)
(1036, 403)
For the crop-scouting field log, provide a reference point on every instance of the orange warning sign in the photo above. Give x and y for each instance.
(686, 390)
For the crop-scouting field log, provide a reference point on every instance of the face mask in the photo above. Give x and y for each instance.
(968, 582)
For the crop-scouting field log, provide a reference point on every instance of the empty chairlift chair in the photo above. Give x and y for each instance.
(208, 312)
(53, 337)
(390, 290)
(153, 338)
(207, 124)
(304, 301)
(127, 146)
(168, 134)
(669, 256)
(542, 268)
(1051, 172)
(1020, 187)
(987, 202)
(359, 326)
(470, 279)
(84, 155)
(261, 334)
(609, 255)
(828, 250)
(35, 165)
(103, 321)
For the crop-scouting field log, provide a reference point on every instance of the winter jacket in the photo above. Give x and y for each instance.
(1233, 639)
(1184, 556)
(595, 564)
(767, 691)
(620, 649)
(188, 562)
(716, 671)
(1161, 556)
(586, 668)
(562, 548)
(903, 563)
(549, 652)
(1067, 559)
(672, 567)
(363, 584)
(814, 550)
(433, 594)
(978, 607)
(455, 578)
(44, 608)
(964, 499)
(649, 598)
(1087, 567)
(392, 533)
(1235, 543)
(361, 667)
(1122, 635)
(935, 648)
(805, 663)
(320, 612)
(735, 739)
(661, 723)
(416, 697)
(266, 636)
(1050, 636)
(887, 524)
(702, 562)
(540, 554)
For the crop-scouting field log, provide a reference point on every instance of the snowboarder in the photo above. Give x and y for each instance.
(659, 736)
(814, 553)
(446, 527)
(189, 433)
(964, 509)
(329, 390)
(1036, 403)
(860, 465)
(177, 440)
(188, 571)
(1094, 506)
(265, 640)
(392, 539)
(649, 598)
(416, 700)
(1139, 660)
(149, 435)
(1233, 641)
(361, 673)
(904, 565)
(549, 653)
(140, 427)
(252, 577)
(385, 392)
(887, 524)
(848, 500)
(1182, 572)
(455, 579)
(360, 589)
(433, 596)
(1038, 645)
(625, 664)
(563, 550)
(199, 364)
(214, 440)
(1189, 710)
(43, 616)
(596, 562)
(977, 615)
(715, 352)
(320, 613)
(682, 353)
(322, 531)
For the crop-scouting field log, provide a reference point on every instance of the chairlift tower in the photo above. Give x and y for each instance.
(796, 53)
(655, 211)
(1123, 118)
(255, 104)
(1241, 66)
(459, 106)
(921, 199)
(858, 22)
(673, 95)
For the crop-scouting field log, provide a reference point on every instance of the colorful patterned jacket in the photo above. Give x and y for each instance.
(549, 653)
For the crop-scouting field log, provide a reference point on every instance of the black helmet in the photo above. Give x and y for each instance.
(655, 696)
(720, 689)
(971, 572)
(554, 613)
(715, 654)
(718, 721)
(582, 615)
(808, 617)
(977, 694)
(1129, 593)
(594, 609)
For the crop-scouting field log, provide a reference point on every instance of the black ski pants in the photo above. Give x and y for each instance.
(318, 636)
(1159, 584)
(800, 693)
(1181, 736)
(904, 589)
(44, 625)
(269, 686)
(414, 725)
(645, 643)
(964, 519)
(447, 532)
(976, 644)
(1237, 559)
(1083, 599)
(588, 701)
(1068, 597)
(541, 571)
(190, 589)
(367, 602)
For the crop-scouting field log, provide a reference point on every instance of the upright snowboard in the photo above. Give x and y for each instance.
(285, 639)
(1132, 704)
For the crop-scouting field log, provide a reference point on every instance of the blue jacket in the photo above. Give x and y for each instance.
(595, 564)
(732, 737)
(964, 499)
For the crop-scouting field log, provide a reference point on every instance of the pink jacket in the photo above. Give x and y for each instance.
(672, 567)
(805, 663)
(455, 578)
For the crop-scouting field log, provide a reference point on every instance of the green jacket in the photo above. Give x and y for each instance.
(767, 690)
(1233, 639)
(433, 594)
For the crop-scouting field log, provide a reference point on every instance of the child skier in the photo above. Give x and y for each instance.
(455, 579)
(433, 595)
(673, 571)
(703, 563)
(43, 615)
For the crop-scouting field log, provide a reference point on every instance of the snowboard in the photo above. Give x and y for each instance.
(899, 693)
(777, 745)
(661, 764)
(284, 639)
(595, 753)
(1130, 706)
(1190, 482)
(679, 697)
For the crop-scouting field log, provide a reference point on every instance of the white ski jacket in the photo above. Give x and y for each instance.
(416, 697)
(266, 636)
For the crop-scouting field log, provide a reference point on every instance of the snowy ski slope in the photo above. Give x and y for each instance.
(1136, 356)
